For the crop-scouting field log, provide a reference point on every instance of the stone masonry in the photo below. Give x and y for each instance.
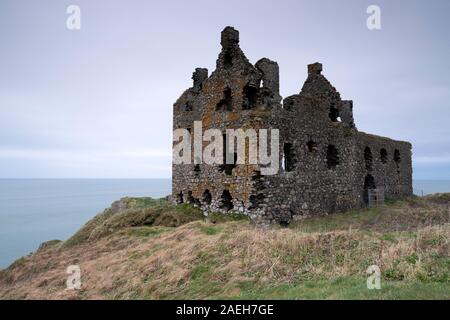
(326, 166)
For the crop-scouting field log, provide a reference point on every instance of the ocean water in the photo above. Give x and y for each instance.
(424, 187)
(36, 210)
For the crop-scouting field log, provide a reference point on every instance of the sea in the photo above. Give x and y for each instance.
(36, 210)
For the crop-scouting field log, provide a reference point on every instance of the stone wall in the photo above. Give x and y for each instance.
(328, 165)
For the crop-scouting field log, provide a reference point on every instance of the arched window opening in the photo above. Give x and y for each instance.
(250, 97)
(332, 157)
(397, 156)
(312, 146)
(368, 158)
(397, 159)
(189, 198)
(226, 201)
(227, 167)
(179, 198)
(226, 103)
(334, 113)
(369, 184)
(289, 158)
(207, 197)
(383, 155)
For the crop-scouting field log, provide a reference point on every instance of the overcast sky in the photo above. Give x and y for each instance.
(97, 102)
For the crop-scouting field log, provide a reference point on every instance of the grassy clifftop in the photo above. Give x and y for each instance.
(149, 249)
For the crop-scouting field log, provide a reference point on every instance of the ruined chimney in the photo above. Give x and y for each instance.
(314, 68)
(199, 76)
(229, 38)
(270, 74)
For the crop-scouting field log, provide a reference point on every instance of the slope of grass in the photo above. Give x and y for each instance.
(134, 212)
(400, 215)
(158, 251)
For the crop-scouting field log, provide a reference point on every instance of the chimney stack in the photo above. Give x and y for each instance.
(315, 68)
(229, 38)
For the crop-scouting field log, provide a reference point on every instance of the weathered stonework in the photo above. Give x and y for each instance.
(328, 164)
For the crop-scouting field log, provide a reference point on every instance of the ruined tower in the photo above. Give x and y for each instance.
(326, 164)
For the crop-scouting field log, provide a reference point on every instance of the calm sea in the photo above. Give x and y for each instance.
(36, 210)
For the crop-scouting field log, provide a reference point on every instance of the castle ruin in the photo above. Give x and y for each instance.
(326, 166)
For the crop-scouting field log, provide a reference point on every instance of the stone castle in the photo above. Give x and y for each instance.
(326, 166)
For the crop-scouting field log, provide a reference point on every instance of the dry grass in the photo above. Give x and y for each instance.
(200, 260)
(402, 215)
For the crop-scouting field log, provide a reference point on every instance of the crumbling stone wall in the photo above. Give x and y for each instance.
(327, 164)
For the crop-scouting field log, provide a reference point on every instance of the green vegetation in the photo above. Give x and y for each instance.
(210, 230)
(145, 202)
(346, 288)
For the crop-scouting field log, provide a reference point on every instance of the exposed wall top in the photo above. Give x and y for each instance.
(199, 75)
(229, 38)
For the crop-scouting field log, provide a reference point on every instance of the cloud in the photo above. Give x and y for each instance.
(98, 102)
(57, 154)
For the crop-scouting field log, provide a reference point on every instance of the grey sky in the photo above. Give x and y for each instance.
(98, 102)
